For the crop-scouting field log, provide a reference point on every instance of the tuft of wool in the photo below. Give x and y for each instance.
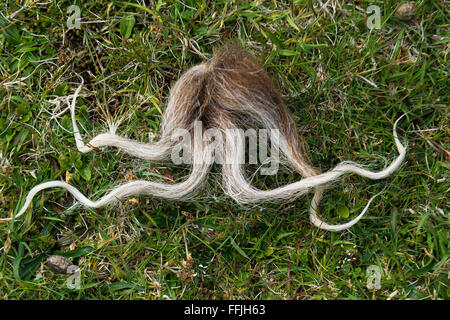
(228, 93)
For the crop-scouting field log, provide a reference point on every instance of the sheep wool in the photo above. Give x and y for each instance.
(227, 94)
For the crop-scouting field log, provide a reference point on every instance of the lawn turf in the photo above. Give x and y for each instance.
(346, 85)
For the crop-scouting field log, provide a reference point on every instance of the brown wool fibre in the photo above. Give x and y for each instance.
(230, 91)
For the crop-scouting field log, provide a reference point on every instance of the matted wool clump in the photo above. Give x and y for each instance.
(227, 94)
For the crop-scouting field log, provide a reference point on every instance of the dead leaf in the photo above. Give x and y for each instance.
(7, 244)
(129, 176)
(133, 201)
(189, 263)
(168, 175)
(68, 177)
(185, 276)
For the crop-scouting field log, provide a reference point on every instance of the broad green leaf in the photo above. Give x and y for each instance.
(126, 25)
(66, 122)
(343, 212)
(268, 251)
(64, 162)
(85, 173)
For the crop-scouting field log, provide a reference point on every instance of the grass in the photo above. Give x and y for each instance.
(346, 85)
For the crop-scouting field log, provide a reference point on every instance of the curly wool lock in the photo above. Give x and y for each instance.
(230, 91)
